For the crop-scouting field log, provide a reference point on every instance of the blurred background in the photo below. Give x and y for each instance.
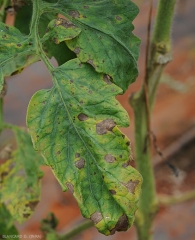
(173, 124)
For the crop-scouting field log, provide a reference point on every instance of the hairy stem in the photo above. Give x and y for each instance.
(2, 10)
(35, 33)
(159, 56)
(1, 114)
(171, 200)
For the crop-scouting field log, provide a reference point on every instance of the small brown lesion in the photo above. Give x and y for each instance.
(26, 215)
(77, 50)
(131, 185)
(122, 225)
(113, 192)
(70, 187)
(126, 164)
(77, 155)
(96, 217)
(104, 126)
(4, 90)
(74, 14)
(80, 163)
(90, 61)
(6, 151)
(82, 117)
(107, 79)
(118, 18)
(64, 22)
(32, 205)
(109, 158)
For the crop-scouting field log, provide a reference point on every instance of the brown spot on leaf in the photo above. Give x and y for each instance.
(77, 50)
(80, 163)
(64, 22)
(26, 215)
(77, 155)
(58, 152)
(126, 164)
(82, 117)
(74, 14)
(118, 18)
(55, 40)
(96, 217)
(32, 205)
(70, 187)
(90, 61)
(107, 79)
(86, 7)
(131, 185)
(113, 192)
(104, 126)
(122, 225)
(109, 158)
(4, 174)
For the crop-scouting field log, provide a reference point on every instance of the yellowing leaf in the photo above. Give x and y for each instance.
(60, 30)
(16, 51)
(74, 125)
(20, 179)
(7, 224)
(106, 40)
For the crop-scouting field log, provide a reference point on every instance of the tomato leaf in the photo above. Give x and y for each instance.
(20, 179)
(106, 40)
(16, 51)
(7, 224)
(74, 125)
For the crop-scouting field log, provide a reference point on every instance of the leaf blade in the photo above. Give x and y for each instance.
(20, 179)
(17, 51)
(106, 40)
(80, 141)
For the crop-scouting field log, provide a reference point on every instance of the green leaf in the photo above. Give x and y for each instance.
(106, 41)
(24, 13)
(74, 125)
(20, 178)
(16, 51)
(7, 224)
(60, 30)
(60, 51)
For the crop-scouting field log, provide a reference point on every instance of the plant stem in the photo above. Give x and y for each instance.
(1, 114)
(34, 32)
(2, 11)
(159, 56)
(171, 200)
(74, 231)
